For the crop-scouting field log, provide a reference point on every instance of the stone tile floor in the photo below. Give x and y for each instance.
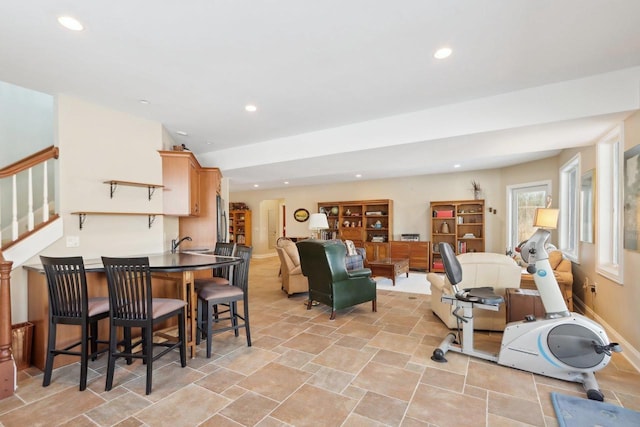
(363, 369)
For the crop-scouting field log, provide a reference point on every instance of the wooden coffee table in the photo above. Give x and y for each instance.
(389, 267)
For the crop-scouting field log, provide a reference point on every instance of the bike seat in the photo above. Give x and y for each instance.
(484, 295)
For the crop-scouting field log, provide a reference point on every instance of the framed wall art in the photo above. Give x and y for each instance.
(301, 215)
(632, 198)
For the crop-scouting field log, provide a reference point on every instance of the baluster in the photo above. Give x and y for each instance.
(30, 219)
(45, 194)
(14, 218)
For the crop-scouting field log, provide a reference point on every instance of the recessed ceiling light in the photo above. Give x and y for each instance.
(442, 53)
(70, 23)
(456, 166)
(250, 108)
(286, 182)
(144, 101)
(358, 175)
(182, 133)
(256, 185)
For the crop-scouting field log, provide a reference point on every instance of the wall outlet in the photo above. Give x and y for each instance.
(594, 287)
(73, 241)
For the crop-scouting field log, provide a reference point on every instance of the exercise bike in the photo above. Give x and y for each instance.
(563, 345)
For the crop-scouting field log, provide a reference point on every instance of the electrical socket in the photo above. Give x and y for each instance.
(594, 288)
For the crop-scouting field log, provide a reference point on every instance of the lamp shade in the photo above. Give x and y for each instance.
(318, 221)
(546, 218)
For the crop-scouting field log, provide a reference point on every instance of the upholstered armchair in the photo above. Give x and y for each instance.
(293, 281)
(323, 263)
(478, 269)
(564, 276)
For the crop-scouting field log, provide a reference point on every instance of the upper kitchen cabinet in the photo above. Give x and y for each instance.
(181, 179)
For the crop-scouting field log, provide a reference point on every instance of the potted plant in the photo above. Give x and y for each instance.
(475, 186)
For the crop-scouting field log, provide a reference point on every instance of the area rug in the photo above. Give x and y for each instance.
(416, 283)
(579, 412)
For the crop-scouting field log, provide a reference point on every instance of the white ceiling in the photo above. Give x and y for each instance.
(342, 87)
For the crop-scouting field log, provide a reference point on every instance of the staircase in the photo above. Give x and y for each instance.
(29, 229)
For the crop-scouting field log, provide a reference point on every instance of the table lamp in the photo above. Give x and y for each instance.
(317, 222)
(546, 218)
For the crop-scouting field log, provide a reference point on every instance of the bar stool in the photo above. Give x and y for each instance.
(220, 275)
(70, 305)
(210, 296)
(132, 306)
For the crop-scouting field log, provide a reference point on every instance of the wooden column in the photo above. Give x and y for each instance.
(7, 374)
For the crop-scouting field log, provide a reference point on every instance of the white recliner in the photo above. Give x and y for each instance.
(478, 269)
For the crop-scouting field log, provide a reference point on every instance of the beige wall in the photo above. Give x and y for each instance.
(97, 144)
(411, 197)
(615, 304)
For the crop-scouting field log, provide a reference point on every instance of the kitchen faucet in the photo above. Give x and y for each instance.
(175, 243)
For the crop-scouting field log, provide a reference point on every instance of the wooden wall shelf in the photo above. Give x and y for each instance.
(151, 188)
(82, 216)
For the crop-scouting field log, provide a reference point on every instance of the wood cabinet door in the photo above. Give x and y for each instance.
(376, 250)
(194, 189)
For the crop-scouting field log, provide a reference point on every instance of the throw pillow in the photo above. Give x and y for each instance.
(351, 248)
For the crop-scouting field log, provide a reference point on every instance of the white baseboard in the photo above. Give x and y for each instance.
(628, 351)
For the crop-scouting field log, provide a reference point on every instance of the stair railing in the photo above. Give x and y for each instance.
(7, 373)
(28, 164)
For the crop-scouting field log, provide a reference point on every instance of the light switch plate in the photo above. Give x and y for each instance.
(73, 241)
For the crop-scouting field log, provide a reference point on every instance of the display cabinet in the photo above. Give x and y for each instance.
(240, 227)
(363, 221)
(459, 223)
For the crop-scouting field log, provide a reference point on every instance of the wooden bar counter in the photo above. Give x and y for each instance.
(169, 271)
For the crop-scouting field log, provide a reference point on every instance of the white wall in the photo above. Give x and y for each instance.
(98, 144)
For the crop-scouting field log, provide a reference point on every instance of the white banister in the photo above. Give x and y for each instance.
(14, 209)
(45, 194)
(30, 219)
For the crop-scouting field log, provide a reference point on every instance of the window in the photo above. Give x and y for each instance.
(522, 201)
(569, 213)
(609, 230)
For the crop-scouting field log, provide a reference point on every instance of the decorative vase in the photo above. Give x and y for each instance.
(444, 228)
(476, 194)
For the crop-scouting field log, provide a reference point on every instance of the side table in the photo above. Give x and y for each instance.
(522, 302)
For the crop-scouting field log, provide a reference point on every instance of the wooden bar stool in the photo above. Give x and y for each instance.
(70, 305)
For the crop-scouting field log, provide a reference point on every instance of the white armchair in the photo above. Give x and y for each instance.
(293, 281)
(478, 269)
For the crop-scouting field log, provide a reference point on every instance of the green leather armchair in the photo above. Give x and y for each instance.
(323, 263)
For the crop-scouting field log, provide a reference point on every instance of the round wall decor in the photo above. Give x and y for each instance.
(301, 215)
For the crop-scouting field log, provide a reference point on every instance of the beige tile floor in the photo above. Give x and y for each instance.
(363, 369)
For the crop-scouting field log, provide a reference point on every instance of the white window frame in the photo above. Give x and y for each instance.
(569, 226)
(512, 214)
(609, 251)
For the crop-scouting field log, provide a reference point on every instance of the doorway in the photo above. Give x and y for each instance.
(271, 210)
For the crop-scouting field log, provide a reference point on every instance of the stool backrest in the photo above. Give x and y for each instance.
(241, 271)
(224, 249)
(129, 282)
(67, 286)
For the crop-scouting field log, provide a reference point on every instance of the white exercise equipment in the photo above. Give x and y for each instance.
(563, 345)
